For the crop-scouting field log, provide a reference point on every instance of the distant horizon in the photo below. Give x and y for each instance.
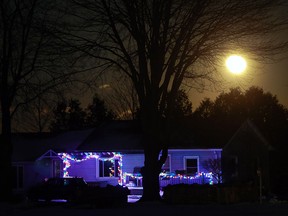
(197, 99)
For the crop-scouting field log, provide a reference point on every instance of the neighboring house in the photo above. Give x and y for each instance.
(109, 154)
(35, 155)
(245, 158)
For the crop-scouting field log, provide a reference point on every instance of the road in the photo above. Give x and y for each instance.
(149, 208)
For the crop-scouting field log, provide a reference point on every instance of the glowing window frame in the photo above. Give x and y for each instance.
(66, 157)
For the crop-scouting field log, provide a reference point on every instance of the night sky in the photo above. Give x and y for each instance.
(272, 77)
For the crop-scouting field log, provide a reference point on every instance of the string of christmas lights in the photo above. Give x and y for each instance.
(167, 176)
(83, 156)
(123, 177)
(200, 175)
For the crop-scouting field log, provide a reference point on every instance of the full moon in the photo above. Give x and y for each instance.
(236, 64)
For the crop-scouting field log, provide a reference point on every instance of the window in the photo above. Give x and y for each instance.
(166, 165)
(104, 168)
(57, 169)
(231, 165)
(191, 165)
(108, 168)
(17, 172)
(116, 165)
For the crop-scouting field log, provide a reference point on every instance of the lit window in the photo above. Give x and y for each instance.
(108, 168)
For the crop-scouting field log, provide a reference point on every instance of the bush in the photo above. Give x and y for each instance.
(202, 194)
(108, 196)
(189, 193)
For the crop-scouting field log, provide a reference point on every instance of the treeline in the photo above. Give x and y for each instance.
(212, 123)
(70, 115)
(216, 121)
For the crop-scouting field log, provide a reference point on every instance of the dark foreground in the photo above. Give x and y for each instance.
(149, 208)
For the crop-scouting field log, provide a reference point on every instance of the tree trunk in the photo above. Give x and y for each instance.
(152, 144)
(150, 173)
(6, 152)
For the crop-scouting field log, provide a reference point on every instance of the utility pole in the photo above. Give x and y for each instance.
(259, 173)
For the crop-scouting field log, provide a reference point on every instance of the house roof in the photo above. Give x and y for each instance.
(30, 146)
(114, 136)
(70, 140)
(117, 135)
(125, 136)
(248, 127)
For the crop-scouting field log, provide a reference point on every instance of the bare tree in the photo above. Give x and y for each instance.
(35, 116)
(31, 64)
(213, 165)
(121, 97)
(166, 45)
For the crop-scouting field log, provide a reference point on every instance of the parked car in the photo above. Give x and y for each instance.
(69, 189)
(77, 191)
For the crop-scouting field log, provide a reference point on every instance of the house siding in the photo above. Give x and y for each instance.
(130, 161)
(86, 169)
(177, 162)
(250, 155)
(178, 158)
(28, 169)
(33, 173)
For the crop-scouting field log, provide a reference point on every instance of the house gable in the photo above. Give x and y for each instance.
(246, 156)
(49, 154)
(248, 128)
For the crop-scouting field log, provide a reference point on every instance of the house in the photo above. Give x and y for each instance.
(246, 158)
(109, 154)
(35, 156)
(112, 154)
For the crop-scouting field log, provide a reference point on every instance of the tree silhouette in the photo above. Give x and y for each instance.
(68, 116)
(35, 116)
(222, 117)
(98, 113)
(34, 64)
(122, 98)
(182, 107)
(29, 66)
(213, 165)
(229, 110)
(164, 46)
